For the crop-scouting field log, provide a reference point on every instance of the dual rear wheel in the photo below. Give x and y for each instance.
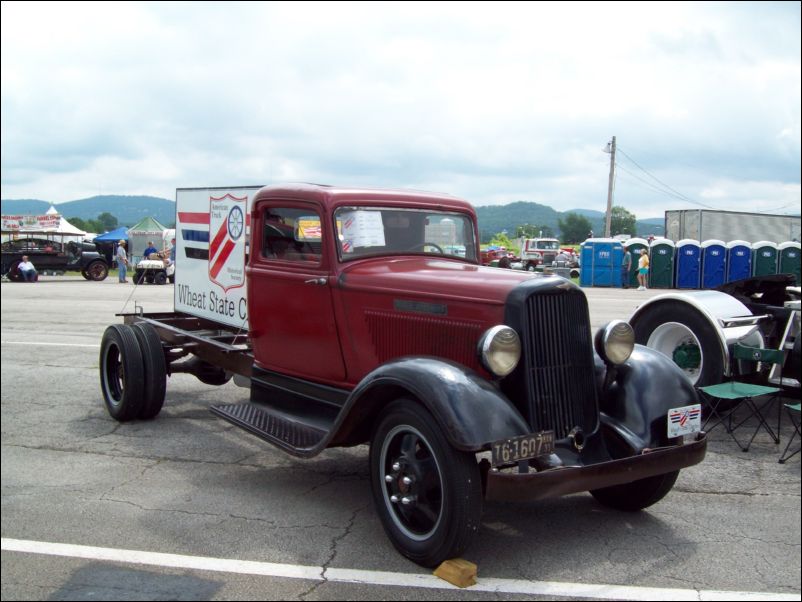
(133, 372)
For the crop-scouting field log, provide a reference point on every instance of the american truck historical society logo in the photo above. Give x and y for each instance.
(227, 241)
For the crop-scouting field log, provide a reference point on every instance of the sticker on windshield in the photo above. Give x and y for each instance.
(362, 229)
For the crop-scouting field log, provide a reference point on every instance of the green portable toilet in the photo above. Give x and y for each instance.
(764, 258)
(661, 268)
(789, 259)
(634, 246)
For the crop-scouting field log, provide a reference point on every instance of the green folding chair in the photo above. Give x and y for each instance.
(793, 414)
(725, 399)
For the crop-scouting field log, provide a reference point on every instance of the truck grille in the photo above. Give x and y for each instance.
(560, 369)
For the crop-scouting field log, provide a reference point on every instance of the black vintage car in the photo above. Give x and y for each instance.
(48, 253)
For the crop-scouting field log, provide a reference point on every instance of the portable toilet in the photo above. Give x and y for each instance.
(739, 260)
(661, 268)
(764, 258)
(789, 259)
(601, 262)
(688, 263)
(714, 263)
(634, 246)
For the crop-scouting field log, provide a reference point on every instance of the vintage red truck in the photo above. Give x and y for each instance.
(351, 323)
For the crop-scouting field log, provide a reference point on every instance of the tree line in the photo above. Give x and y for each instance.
(573, 229)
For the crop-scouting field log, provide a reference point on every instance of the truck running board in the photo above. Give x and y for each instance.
(287, 433)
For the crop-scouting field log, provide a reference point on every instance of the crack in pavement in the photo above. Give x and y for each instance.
(333, 547)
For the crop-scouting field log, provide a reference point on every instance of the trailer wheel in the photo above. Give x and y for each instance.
(155, 380)
(427, 494)
(631, 497)
(680, 332)
(121, 373)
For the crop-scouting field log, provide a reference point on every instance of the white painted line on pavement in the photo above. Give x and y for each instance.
(379, 578)
(49, 344)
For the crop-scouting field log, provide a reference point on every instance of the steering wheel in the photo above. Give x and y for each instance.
(431, 244)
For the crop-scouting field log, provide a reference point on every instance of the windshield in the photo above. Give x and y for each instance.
(367, 231)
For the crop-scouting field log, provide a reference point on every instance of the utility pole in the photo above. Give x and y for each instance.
(610, 149)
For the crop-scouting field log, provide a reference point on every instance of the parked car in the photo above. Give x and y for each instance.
(48, 254)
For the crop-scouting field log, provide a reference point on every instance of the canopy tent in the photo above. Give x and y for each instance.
(119, 234)
(146, 230)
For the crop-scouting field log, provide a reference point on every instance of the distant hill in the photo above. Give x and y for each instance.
(497, 218)
(130, 209)
(127, 209)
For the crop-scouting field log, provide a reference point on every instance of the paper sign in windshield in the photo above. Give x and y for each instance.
(362, 229)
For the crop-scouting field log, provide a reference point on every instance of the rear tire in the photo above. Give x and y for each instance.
(160, 278)
(155, 381)
(428, 495)
(122, 373)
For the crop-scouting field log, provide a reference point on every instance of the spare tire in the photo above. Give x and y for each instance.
(685, 335)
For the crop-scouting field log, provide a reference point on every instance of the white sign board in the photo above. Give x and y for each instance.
(211, 234)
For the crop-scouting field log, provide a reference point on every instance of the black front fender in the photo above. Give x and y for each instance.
(636, 404)
(471, 411)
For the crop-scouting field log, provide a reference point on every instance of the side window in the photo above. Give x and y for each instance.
(292, 234)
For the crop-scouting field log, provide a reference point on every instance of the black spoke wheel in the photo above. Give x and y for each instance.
(428, 495)
(122, 373)
(155, 381)
(97, 271)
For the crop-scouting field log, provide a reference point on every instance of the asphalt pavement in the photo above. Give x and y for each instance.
(188, 507)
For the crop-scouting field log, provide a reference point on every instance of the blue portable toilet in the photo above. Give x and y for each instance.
(764, 258)
(601, 262)
(739, 260)
(714, 263)
(688, 263)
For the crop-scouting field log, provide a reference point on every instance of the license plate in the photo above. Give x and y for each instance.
(508, 451)
(685, 420)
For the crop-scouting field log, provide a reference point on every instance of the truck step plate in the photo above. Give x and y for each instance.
(279, 430)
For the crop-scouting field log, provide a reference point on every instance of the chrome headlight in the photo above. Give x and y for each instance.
(615, 342)
(500, 350)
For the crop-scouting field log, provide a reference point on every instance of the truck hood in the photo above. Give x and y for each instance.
(435, 278)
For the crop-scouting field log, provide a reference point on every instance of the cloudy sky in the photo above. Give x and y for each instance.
(491, 102)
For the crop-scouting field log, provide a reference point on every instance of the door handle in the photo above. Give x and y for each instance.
(319, 281)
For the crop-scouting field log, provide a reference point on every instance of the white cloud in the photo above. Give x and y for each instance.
(495, 102)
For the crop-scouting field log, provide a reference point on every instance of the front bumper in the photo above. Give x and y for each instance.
(564, 480)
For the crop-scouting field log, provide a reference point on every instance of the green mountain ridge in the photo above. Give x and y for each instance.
(130, 209)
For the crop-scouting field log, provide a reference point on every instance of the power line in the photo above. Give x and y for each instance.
(676, 193)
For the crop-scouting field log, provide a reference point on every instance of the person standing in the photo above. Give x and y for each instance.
(122, 260)
(626, 266)
(27, 270)
(643, 269)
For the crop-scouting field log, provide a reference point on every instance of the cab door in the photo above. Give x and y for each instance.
(292, 321)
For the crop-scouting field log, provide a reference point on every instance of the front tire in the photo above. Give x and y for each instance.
(631, 497)
(96, 271)
(427, 494)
